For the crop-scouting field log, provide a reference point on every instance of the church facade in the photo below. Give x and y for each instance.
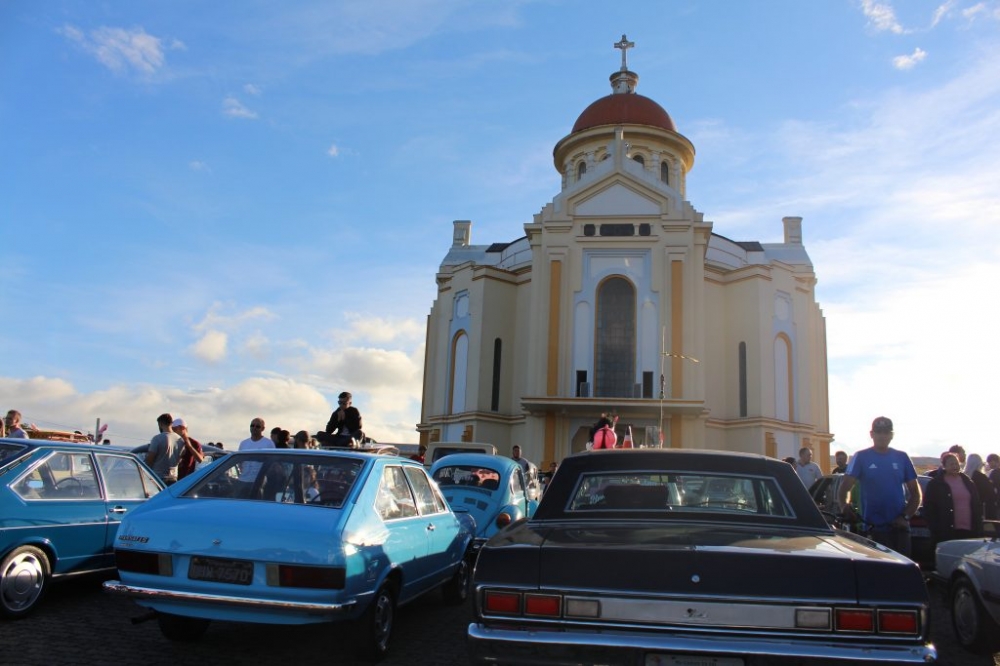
(621, 299)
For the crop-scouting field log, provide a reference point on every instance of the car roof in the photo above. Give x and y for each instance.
(481, 459)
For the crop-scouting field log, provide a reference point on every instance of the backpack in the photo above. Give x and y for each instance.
(605, 438)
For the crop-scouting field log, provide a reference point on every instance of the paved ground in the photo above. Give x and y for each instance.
(80, 624)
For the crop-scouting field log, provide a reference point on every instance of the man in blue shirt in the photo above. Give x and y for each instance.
(890, 494)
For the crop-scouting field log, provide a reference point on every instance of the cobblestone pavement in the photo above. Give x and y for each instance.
(80, 624)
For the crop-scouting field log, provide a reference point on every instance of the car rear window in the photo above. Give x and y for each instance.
(468, 475)
(9, 451)
(316, 480)
(680, 492)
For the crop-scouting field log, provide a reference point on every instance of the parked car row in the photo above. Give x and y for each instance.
(632, 556)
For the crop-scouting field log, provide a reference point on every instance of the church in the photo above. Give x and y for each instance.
(621, 299)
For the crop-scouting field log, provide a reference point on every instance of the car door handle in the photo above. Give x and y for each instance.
(430, 527)
(118, 509)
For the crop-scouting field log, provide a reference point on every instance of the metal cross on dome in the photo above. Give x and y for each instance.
(624, 45)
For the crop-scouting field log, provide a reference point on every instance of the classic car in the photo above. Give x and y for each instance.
(824, 492)
(652, 556)
(438, 450)
(971, 569)
(493, 489)
(294, 536)
(60, 505)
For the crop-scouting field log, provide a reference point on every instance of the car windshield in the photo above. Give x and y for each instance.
(317, 480)
(468, 475)
(8, 451)
(679, 491)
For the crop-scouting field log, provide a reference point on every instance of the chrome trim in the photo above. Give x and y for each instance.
(153, 594)
(539, 646)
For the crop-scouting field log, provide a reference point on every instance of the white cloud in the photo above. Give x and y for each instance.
(234, 108)
(909, 61)
(941, 12)
(333, 151)
(218, 318)
(123, 50)
(212, 346)
(881, 16)
(198, 165)
(252, 89)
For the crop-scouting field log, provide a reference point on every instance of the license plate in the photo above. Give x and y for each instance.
(691, 660)
(235, 572)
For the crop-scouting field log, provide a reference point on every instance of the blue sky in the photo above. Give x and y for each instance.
(233, 209)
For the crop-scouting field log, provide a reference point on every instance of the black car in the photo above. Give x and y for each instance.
(651, 556)
(824, 492)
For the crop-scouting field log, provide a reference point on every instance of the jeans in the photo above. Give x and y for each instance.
(895, 538)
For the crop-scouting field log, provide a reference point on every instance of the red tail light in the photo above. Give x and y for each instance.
(855, 620)
(506, 603)
(546, 605)
(898, 622)
(157, 564)
(503, 520)
(317, 578)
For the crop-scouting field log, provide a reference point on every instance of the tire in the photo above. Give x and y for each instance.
(973, 626)
(456, 590)
(25, 574)
(182, 629)
(374, 627)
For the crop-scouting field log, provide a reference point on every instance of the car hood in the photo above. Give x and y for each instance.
(699, 560)
(238, 529)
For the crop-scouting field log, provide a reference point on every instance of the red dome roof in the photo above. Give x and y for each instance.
(624, 109)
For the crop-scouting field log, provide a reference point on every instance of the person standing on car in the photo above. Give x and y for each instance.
(808, 471)
(13, 423)
(952, 506)
(987, 492)
(841, 459)
(191, 453)
(890, 494)
(164, 452)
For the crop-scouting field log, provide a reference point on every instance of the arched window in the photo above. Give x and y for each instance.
(640, 159)
(665, 172)
(459, 372)
(784, 396)
(615, 339)
(581, 168)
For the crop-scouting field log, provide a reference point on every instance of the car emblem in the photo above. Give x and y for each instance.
(216, 542)
(696, 578)
(695, 614)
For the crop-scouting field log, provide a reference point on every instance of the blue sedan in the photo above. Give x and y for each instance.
(493, 489)
(286, 536)
(60, 506)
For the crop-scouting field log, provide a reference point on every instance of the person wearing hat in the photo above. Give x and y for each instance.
(164, 452)
(890, 494)
(191, 454)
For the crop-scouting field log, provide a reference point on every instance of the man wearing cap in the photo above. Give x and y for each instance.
(164, 450)
(191, 453)
(890, 494)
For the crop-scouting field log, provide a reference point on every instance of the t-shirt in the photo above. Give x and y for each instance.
(250, 469)
(810, 473)
(17, 433)
(881, 477)
(167, 448)
(605, 438)
(961, 502)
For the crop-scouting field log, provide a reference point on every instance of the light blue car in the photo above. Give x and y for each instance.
(293, 536)
(493, 489)
(60, 505)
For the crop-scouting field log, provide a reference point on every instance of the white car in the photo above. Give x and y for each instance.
(971, 569)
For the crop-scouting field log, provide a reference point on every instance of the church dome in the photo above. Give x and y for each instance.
(624, 109)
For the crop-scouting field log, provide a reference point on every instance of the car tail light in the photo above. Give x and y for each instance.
(505, 603)
(157, 564)
(503, 520)
(898, 622)
(545, 605)
(322, 578)
(812, 618)
(850, 619)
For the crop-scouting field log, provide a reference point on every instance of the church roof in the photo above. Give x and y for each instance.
(624, 109)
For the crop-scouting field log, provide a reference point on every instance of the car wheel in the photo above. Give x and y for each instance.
(974, 628)
(182, 629)
(456, 590)
(24, 580)
(375, 625)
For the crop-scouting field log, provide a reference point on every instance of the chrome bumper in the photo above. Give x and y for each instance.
(511, 646)
(250, 603)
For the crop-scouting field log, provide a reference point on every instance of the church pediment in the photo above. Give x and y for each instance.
(617, 200)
